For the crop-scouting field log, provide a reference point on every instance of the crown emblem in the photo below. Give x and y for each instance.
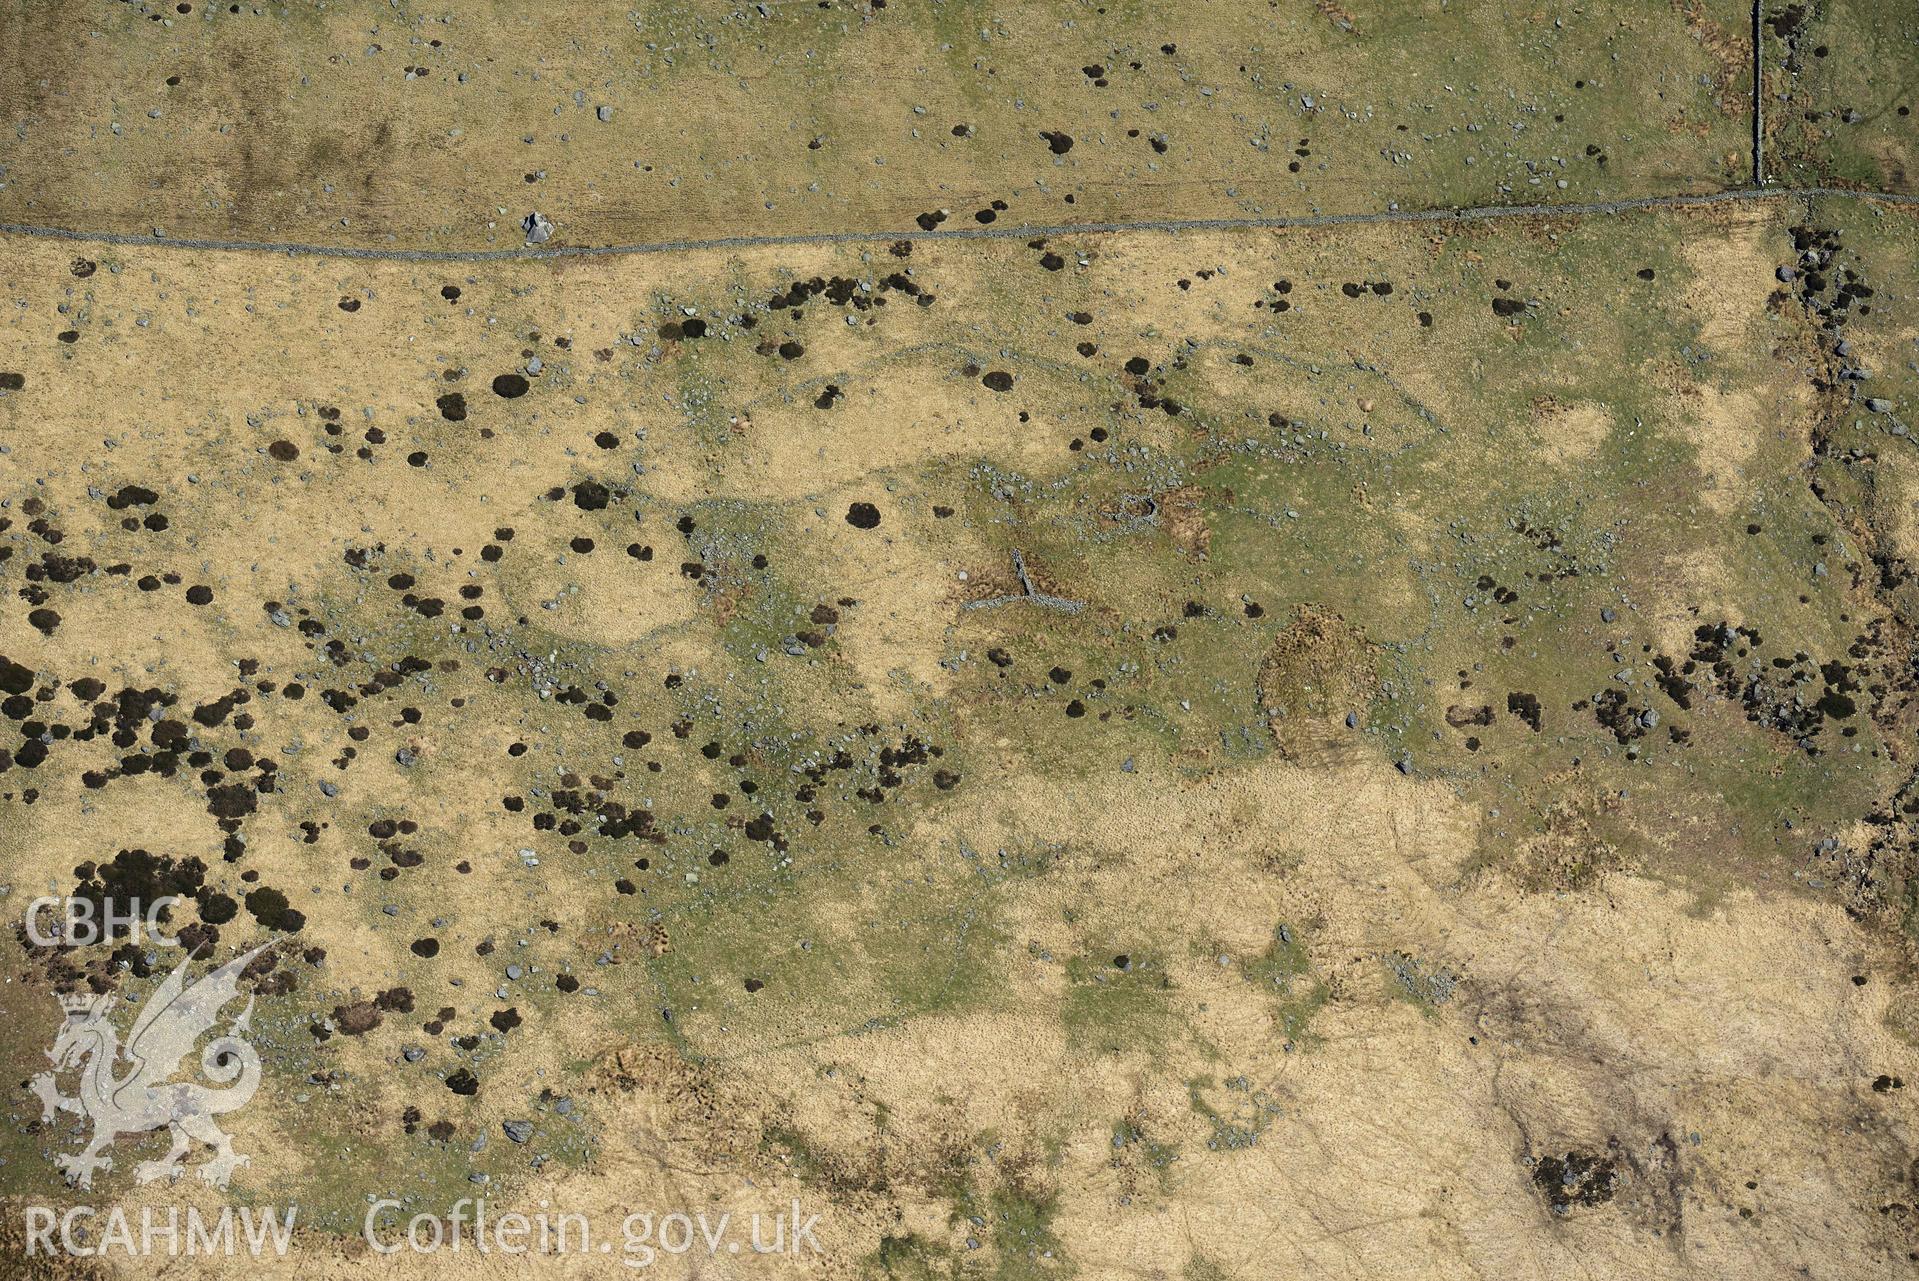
(82, 1003)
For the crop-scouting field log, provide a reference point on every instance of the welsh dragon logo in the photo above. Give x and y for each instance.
(143, 1098)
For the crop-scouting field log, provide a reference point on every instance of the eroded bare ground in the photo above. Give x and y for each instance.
(1367, 752)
